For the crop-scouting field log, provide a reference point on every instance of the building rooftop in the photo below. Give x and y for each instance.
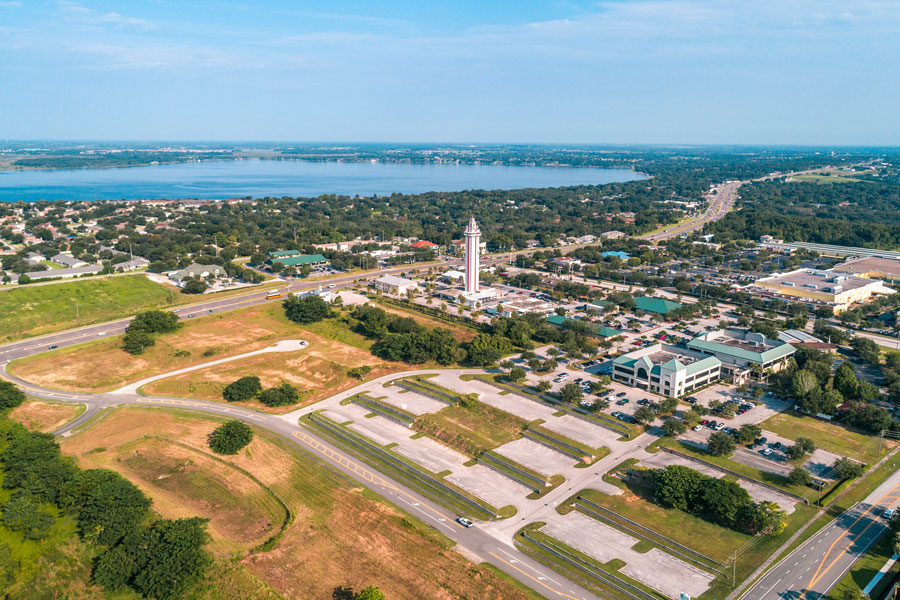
(870, 264)
(827, 282)
(754, 347)
(669, 358)
(394, 280)
(655, 305)
(293, 261)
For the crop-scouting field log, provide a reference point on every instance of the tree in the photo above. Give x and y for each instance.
(23, 513)
(244, 389)
(136, 342)
(668, 406)
(306, 310)
(195, 286)
(155, 321)
(847, 469)
(281, 395)
(111, 509)
(800, 476)
(230, 437)
(725, 500)
(486, 349)
(10, 395)
(8, 567)
(803, 383)
(720, 444)
(748, 433)
(543, 386)
(680, 487)
(802, 448)
(845, 380)
(571, 393)
(674, 427)
(765, 517)
(644, 415)
(23, 279)
(516, 374)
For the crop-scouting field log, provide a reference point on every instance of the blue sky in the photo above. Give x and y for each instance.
(609, 71)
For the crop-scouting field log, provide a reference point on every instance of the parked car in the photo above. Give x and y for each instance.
(621, 394)
(888, 513)
(767, 451)
(712, 424)
(720, 426)
(691, 400)
(698, 427)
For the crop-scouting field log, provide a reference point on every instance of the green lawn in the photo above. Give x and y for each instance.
(35, 310)
(818, 178)
(471, 428)
(828, 436)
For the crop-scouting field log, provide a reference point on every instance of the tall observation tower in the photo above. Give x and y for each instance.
(473, 238)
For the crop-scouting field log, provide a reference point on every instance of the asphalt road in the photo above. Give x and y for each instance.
(725, 195)
(477, 544)
(814, 568)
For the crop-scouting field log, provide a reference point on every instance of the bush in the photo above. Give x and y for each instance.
(24, 513)
(847, 469)
(281, 395)
(800, 476)
(10, 395)
(245, 388)
(359, 372)
(230, 437)
(720, 444)
(674, 427)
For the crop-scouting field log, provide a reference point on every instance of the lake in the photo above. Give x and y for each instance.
(255, 177)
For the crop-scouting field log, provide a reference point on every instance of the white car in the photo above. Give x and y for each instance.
(464, 522)
(720, 426)
(698, 427)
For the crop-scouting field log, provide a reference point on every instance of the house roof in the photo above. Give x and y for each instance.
(655, 305)
(423, 244)
(293, 261)
(195, 269)
(281, 253)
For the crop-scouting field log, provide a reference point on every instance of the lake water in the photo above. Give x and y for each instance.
(240, 178)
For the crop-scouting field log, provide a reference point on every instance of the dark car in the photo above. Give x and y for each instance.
(691, 400)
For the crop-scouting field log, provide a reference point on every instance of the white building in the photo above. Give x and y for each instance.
(391, 284)
(666, 370)
(323, 293)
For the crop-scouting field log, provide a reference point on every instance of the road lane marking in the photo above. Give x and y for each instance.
(534, 579)
(514, 559)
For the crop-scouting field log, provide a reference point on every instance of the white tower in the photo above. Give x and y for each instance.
(473, 239)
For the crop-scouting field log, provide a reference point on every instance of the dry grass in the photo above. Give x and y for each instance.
(460, 332)
(45, 416)
(342, 535)
(103, 365)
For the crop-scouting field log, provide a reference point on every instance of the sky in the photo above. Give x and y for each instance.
(811, 72)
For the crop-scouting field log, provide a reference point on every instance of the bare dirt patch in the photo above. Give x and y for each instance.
(341, 535)
(45, 416)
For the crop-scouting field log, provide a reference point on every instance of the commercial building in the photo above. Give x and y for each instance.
(660, 306)
(298, 261)
(396, 286)
(324, 293)
(872, 267)
(815, 287)
(612, 235)
(63, 273)
(424, 244)
(521, 306)
(67, 260)
(666, 370)
(194, 271)
(283, 254)
(743, 352)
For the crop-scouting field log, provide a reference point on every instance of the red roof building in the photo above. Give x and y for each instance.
(423, 244)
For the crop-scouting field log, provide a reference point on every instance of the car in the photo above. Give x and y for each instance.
(691, 400)
(761, 441)
(643, 402)
(621, 394)
(698, 427)
(464, 522)
(52, 346)
(621, 402)
(704, 422)
(101, 333)
(720, 426)
(888, 513)
(767, 451)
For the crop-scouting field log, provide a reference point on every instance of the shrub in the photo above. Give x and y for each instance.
(720, 444)
(359, 372)
(194, 286)
(306, 310)
(245, 388)
(280, 395)
(136, 342)
(155, 321)
(230, 437)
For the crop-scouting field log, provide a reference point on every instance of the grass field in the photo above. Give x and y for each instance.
(38, 415)
(471, 428)
(821, 178)
(342, 534)
(828, 436)
(320, 368)
(36, 310)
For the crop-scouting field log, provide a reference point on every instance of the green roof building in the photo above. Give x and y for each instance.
(283, 253)
(295, 261)
(743, 349)
(666, 370)
(660, 306)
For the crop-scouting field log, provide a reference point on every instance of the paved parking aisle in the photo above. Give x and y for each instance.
(378, 429)
(412, 402)
(655, 568)
(542, 459)
(490, 486)
(430, 454)
(582, 431)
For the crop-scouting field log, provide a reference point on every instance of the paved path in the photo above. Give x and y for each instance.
(282, 346)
